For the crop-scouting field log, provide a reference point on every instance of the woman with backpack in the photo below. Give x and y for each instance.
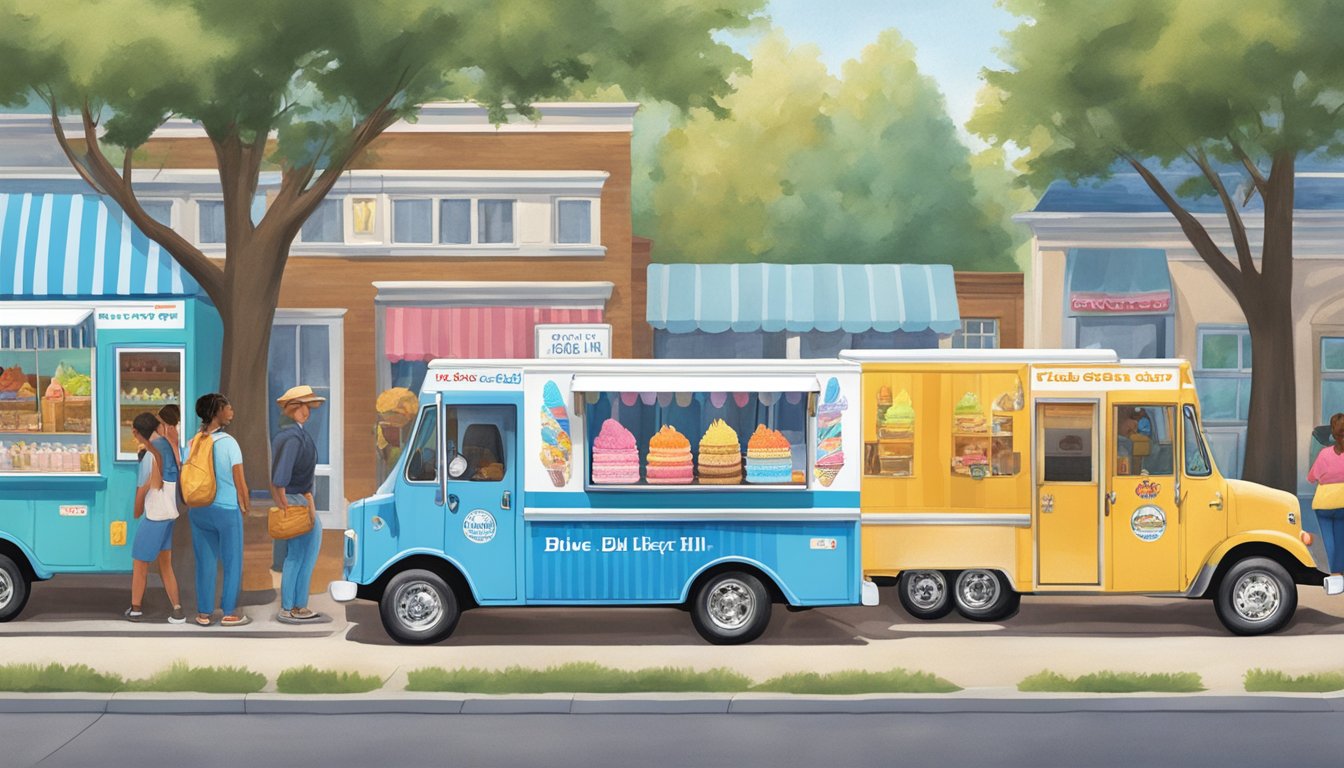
(216, 518)
(156, 509)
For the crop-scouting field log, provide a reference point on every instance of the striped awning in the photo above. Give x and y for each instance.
(55, 245)
(803, 297)
(429, 333)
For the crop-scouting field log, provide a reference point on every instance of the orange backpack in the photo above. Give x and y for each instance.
(196, 478)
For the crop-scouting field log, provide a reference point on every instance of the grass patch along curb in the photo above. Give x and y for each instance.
(58, 678)
(576, 677)
(1269, 680)
(850, 682)
(181, 677)
(311, 680)
(1113, 682)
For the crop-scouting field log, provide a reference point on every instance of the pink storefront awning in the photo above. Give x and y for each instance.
(426, 333)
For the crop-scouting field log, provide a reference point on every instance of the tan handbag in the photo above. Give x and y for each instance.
(289, 522)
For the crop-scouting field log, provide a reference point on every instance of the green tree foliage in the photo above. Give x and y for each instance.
(323, 79)
(812, 168)
(1210, 85)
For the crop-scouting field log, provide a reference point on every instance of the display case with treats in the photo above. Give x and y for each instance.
(46, 411)
(896, 438)
(147, 380)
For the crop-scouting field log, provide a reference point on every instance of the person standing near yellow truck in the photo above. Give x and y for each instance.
(1067, 472)
(1327, 473)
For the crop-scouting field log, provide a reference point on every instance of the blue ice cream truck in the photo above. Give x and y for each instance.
(722, 486)
(97, 325)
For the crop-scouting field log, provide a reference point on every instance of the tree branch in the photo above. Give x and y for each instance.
(76, 161)
(109, 182)
(1257, 177)
(1234, 221)
(1194, 231)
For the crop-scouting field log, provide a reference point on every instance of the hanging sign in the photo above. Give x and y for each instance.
(162, 315)
(573, 341)
(1087, 301)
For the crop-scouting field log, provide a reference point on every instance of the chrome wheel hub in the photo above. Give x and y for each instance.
(977, 589)
(927, 589)
(6, 589)
(1256, 597)
(418, 606)
(731, 605)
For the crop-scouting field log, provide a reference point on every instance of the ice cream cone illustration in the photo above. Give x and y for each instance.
(830, 442)
(556, 446)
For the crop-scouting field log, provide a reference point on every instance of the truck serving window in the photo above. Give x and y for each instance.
(1196, 455)
(1144, 440)
(663, 439)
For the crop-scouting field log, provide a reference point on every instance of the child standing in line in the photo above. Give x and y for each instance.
(156, 509)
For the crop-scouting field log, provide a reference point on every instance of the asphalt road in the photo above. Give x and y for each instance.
(1129, 739)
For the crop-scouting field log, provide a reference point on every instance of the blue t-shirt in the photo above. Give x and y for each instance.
(167, 459)
(227, 456)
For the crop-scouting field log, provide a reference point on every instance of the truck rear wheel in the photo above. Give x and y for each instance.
(924, 594)
(985, 595)
(731, 608)
(1256, 597)
(14, 589)
(418, 608)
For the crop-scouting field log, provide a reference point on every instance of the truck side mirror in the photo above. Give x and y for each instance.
(457, 466)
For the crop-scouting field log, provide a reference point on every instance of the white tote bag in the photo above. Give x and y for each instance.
(161, 503)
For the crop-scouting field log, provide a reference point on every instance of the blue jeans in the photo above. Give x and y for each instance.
(1332, 536)
(217, 537)
(297, 577)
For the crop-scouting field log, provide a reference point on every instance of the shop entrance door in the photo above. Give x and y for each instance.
(1067, 509)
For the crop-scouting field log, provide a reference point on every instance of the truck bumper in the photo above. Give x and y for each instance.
(342, 591)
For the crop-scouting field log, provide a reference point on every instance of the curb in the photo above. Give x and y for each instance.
(640, 704)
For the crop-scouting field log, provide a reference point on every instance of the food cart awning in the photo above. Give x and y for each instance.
(56, 245)
(627, 383)
(45, 327)
(43, 317)
(803, 297)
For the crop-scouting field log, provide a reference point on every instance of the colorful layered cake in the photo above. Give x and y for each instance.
(899, 420)
(615, 455)
(769, 457)
(968, 415)
(669, 458)
(556, 446)
(830, 442)
(720, 459)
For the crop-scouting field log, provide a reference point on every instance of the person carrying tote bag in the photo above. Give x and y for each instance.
(294, 522)
(1327, 472)
(156, 503)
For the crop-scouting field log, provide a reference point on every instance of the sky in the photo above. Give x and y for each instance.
(953, 39)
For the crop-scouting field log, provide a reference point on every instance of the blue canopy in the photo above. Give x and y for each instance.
(55, 245)
(802, 297)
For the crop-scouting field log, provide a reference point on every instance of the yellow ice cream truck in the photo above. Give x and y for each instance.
(989, 474)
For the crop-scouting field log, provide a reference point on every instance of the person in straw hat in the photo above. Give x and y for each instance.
(294, 464)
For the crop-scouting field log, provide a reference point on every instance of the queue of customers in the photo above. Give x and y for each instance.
(208, 480)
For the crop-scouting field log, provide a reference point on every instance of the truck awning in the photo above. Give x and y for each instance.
(43, 317)
(737, 383)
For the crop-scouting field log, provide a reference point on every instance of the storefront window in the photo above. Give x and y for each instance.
(327, 224)
(46, 411)
(1130, 337)
(574, 221)
(147, 380)
(1332, 377)
(977, 333)
(707, 439)
(1143, 440)
(1223, 380)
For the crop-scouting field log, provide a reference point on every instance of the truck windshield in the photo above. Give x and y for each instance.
(1196, 455)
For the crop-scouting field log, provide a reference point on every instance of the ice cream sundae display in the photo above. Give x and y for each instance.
(898, 421)
(556, 447)
(669, 461)
(720, 459)
(615, 455)
(830, 443)
(769, 457)
(968, 415)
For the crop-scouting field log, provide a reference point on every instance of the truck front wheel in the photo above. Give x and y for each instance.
(418, 608)
(731, 608)
(925, 594)
(13, 589)
(1256, 597)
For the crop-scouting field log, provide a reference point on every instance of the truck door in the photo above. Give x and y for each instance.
(1067, 514)
(1201, 507)
(483, 507)
(1143, 524)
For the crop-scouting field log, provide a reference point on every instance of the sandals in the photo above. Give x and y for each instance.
(204, 620)
(235, 620)
(302, 614)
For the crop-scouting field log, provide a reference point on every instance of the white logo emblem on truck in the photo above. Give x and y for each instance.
(479, 526)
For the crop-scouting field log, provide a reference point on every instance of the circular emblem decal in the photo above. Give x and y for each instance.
(479, 526)
(1148, 522)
